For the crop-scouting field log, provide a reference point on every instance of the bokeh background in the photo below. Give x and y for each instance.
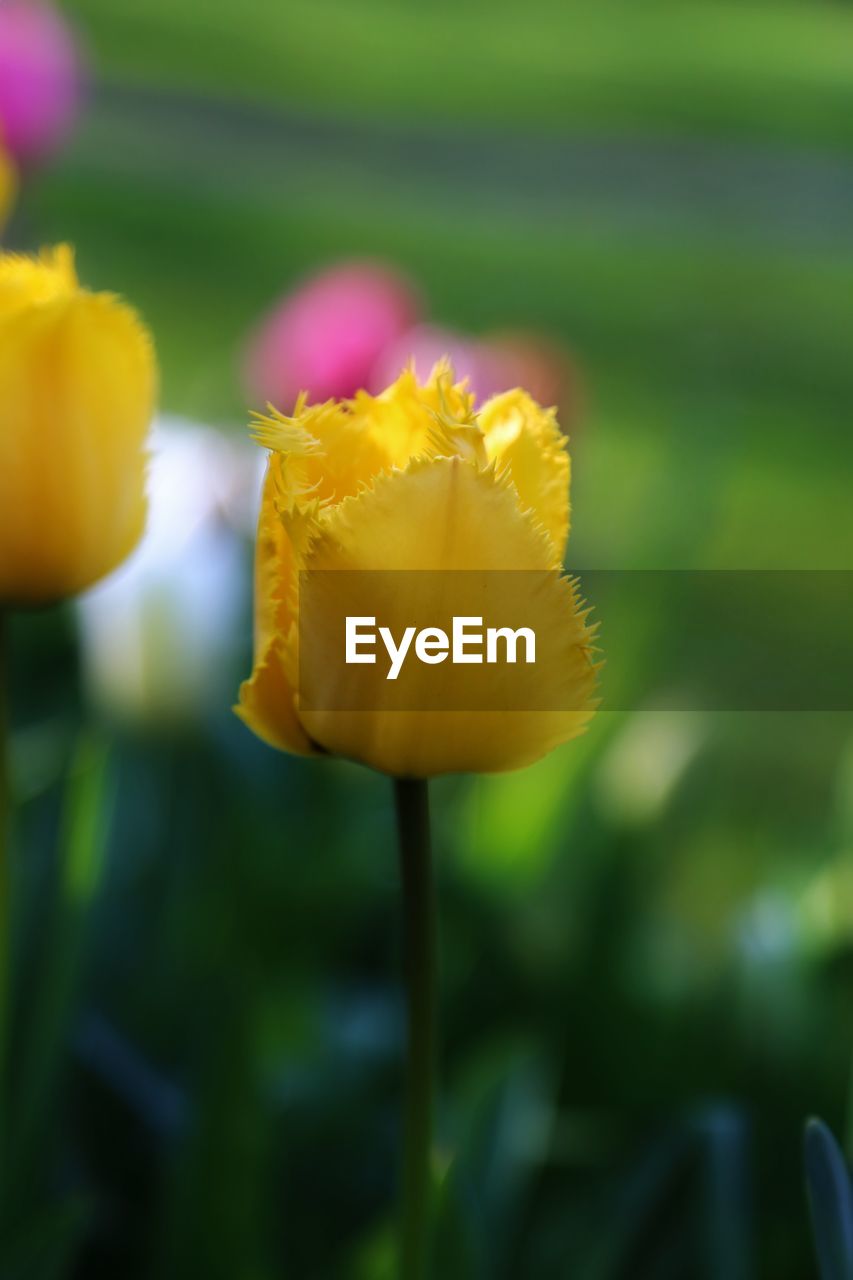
(646, 938)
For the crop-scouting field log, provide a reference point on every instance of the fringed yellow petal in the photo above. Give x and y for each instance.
(284, 435)
(403, 418)
(455, 432)
(275, 571)
(27, 282)
(268, 706)
(267, 698)
(453, 525)
(443, 514)
(327, 451)
(442, 393)
(527, 441)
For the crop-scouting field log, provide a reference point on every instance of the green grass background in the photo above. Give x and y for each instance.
(646, 938)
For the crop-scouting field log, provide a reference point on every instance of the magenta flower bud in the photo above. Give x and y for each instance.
(326, 336)
(425, 345)
(40, 78)
(494, 363)
(544, 367)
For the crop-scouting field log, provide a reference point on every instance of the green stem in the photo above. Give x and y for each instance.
(419, 931)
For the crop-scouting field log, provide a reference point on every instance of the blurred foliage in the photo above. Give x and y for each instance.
(666, 64)
(646, 939)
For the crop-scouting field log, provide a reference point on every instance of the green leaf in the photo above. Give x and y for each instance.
(831, 1202)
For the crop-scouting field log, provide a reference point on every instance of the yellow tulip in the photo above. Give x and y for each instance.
(8, 186)
(77, 387)
(413, 479)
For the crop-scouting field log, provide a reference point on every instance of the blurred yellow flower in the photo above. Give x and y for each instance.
(413, 479)
(77, 388)
(8, 186)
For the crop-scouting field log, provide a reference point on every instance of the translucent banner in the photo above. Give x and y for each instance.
(540, 640)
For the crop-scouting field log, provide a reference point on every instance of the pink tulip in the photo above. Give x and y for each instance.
(543, 367)
(426, 345)
(40, 78)
(326, 336)
(496, 362)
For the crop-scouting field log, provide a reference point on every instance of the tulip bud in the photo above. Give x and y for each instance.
(40, 78)
(77, 386)
(414, 483)
(326, 336)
